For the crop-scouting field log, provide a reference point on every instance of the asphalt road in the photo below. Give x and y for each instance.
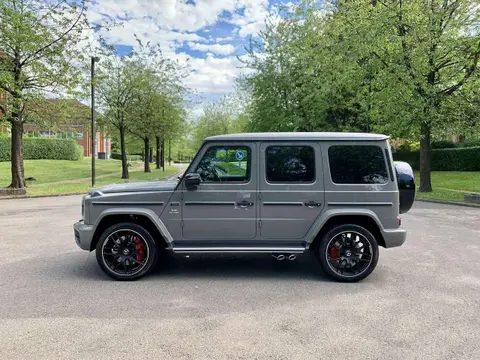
(421, 302)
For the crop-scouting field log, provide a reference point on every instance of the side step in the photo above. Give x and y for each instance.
(237, 249)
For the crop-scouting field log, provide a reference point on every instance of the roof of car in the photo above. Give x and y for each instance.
(286, 136)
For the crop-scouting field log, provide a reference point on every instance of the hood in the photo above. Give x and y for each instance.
(150, 186)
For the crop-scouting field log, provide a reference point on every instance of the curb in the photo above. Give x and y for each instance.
(448, 203)
(39, 196)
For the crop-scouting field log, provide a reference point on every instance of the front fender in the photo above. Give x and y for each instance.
(150, 214)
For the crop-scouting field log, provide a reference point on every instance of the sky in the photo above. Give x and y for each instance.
(209, 34)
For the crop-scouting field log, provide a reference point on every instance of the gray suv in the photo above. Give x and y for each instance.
(336, 194)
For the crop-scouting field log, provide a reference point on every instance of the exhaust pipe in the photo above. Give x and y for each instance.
(292, 257)
(279, 257)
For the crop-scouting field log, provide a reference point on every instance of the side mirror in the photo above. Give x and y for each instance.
(192, 180)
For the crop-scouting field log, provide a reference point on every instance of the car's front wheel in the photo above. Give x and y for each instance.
(348, 253)
(126, 251)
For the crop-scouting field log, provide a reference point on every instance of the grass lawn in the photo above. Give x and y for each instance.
(84, 186)
(450, 185)
(456, 180)
(47, 171)
(232, 168)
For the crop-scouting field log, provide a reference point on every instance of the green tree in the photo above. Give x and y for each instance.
(298, 79)
(399, 67)
(157, 112)
(38, 55)
(424, 53)
(118, 85)
(218, 118)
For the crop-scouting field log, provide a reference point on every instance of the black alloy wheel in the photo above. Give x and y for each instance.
(126, 251)
(348, 253)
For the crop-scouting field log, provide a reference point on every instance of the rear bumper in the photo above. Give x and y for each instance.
(83, 235)
(395, 237)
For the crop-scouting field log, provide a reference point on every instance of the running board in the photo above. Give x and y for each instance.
(237, 250)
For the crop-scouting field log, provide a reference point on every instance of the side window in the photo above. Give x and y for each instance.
(225, 163)
(357, 164)
(290, 164)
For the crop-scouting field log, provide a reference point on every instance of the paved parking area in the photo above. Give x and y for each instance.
(422, 301)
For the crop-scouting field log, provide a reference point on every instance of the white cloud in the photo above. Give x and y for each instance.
(212, 75)
(253, 20)
(170, 13)
(220, 49)
(173, 24)
(227, 38)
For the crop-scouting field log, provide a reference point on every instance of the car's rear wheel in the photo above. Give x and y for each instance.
(348, 253)
(126, 251)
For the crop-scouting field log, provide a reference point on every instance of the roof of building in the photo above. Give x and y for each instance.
(58, 111)
(287, 136)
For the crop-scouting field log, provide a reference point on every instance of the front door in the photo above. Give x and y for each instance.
(223, 207)
(291, 189)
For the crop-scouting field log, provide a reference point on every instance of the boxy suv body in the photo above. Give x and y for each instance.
(337, 194)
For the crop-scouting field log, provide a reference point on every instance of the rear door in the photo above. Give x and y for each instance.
(291, 189)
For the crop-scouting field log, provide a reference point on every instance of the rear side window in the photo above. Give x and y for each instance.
(357, 164)
(290, 164)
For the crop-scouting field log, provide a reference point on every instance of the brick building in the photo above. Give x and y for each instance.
(68, 119)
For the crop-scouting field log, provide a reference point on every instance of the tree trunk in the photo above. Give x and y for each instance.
(123, 153)
(162, 155)
(18, 173)
(151, 154)
(157, 138)
(425, 179)
(169, 153)
(146, 156)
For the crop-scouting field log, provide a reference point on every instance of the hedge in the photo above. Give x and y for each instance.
(46, 149)
(116, 156)
(459, 159)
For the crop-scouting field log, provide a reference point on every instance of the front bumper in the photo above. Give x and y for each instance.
(83, 235)
(394, 238)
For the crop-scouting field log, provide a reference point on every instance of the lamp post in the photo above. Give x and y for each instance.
(93, 135)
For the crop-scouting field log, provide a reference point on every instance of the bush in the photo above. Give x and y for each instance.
(5, 148)
(409, 146)
(443, 144)
(472, 142)
(45, 149)
(117, 156)
(458, 159)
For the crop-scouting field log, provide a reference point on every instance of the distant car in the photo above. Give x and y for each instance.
(336, 194)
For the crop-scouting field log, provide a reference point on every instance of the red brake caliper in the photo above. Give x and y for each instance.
(140, 248)
(333, 252)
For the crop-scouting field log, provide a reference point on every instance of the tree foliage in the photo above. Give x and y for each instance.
(117, 85)
(142, 94)
(39, 55)
(408, 68)
(218, 118)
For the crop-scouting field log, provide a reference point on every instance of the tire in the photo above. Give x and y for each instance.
(333, 259)
(116, 250)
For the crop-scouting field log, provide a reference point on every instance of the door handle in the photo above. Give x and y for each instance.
(312, 204)
(244, 203)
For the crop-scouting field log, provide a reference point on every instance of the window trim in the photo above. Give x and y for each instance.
(361, 184)
(389, 164)
(291, 182)
(248, 172)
